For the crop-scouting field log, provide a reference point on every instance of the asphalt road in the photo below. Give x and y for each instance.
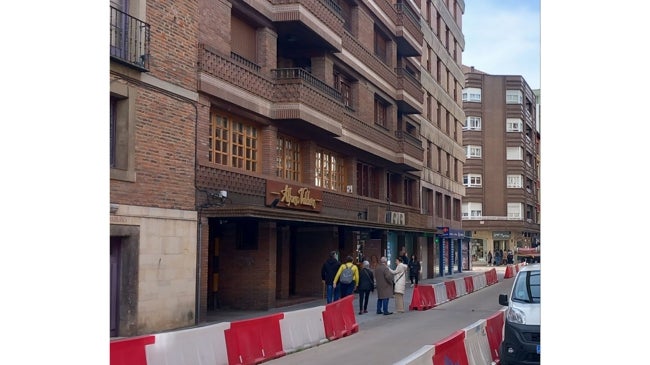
(388, 339)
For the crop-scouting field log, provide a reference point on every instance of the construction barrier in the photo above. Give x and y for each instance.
(469, 284)
(261, 339)
(451, 289)
(510, 272)
(194, 346)
(479, 281)
(476, 344)
(423, 356)
(494, 326)
(477, 347)
(302, 329)
(440, 293)
(491, 277)
(451, 350)
(256, 340)
(461, 289)
(423, 298)
(339, 319)
(130, 351)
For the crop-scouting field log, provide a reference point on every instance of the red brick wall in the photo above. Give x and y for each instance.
(164, 154)
(174, 31)
(214, 21)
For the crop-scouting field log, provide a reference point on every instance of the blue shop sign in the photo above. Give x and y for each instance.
(447, 232)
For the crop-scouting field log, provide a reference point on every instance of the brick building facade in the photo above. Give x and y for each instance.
(501, 207)
(272, 132)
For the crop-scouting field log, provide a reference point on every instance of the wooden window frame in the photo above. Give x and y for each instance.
(288, 164)
(233, 142)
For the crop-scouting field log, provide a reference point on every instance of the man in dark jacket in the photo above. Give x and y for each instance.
(327, 273)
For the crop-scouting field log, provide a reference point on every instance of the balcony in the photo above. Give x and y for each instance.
(409, 31)
(308, 24)
(410, 95)
(129, 40)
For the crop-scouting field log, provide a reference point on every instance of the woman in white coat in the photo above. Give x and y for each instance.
(399, 274)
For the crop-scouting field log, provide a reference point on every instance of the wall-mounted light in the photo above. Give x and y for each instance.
(275, 202)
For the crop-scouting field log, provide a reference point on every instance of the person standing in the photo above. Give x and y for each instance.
(384, 280)
(347, 283)
(366, 285)
(327, 273)
(404, 256)
(489, 257)
(400, 284)
(414, 270)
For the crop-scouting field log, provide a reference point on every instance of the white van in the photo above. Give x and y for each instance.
(521, 335)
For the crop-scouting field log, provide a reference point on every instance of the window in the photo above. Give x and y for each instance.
(515, 210)
(457, 210)
(472, 210)
(427, 201)
(409, 191)
(513, 125)
(381, 112)
(244, 39)
(438, 204)
(342, 85)
(472, 94)
(472, 124)
(329, 171)
(232, 142)
(429, 155)
(472, 180)
(439, 166)
(288, 158)
(514, 153)
(381, 46)
(122, 131)
(367, 181)
(514, 181)
(473, 151)
(447, 207)
(514, 97)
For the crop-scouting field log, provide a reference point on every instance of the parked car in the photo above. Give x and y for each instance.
(521, 336)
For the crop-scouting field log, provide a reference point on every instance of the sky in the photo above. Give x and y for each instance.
(502, 37)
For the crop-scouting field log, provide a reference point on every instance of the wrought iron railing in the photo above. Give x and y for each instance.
(304, 75)
(129, 40)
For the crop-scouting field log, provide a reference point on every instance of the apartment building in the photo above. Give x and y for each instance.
(501, 209)
(267, 133)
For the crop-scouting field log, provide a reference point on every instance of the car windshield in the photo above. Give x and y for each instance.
(527, 288)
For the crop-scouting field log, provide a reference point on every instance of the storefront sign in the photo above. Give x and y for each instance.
(292, 196)
(501, 235)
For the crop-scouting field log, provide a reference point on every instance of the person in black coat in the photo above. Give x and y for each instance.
(327, 273)
(414, 270)
(366, 285)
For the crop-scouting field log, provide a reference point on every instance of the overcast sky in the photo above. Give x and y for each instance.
(502, 37)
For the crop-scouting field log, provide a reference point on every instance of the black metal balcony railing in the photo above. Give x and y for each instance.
(304, 75)
(129, 40)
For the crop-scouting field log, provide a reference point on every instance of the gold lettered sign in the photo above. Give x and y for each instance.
(282, 195)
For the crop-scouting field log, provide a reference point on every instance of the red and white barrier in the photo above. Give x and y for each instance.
(200, 345)
(476, 344)
(302, 329)
(261, 339)
(461, 288)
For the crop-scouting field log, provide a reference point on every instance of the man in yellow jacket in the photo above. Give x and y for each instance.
(347, 277)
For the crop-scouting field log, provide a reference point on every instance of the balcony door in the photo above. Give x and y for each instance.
(119, 28)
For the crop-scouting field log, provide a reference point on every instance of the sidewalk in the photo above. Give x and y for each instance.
(236, 315)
